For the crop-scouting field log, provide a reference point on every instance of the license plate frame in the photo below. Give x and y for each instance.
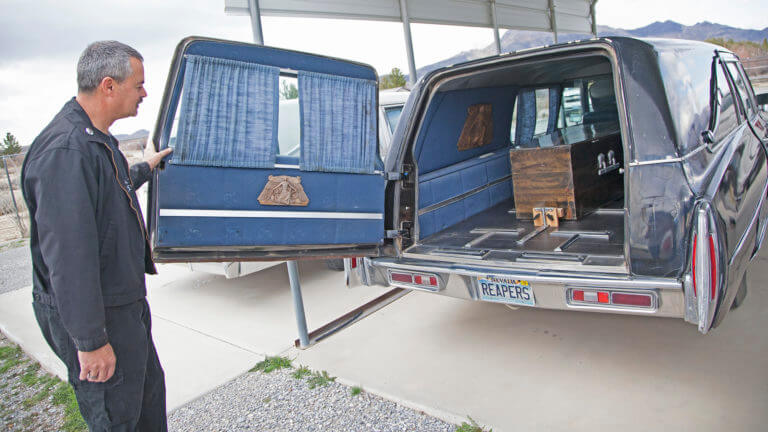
(504, 289)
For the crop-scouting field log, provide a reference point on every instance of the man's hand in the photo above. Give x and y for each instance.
(154, 159)
(97, 365)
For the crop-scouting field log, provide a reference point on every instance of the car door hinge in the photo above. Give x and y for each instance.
(393, 175)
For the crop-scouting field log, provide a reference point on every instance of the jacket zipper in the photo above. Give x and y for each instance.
(127, 194)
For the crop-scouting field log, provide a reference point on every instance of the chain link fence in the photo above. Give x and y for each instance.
(14, 218)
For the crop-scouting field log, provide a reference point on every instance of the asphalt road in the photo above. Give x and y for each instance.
(15, 266)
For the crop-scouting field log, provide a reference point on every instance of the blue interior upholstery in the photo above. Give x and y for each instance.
(449, 182)
(436, 146)
(446, 173)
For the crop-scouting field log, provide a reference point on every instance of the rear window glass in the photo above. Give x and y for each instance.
(289, 125)
(572, 110)
(588, 101)
(393, 115)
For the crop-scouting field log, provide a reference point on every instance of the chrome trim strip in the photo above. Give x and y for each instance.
(601, 281)
(669, 159)
(288, 166)
(751, 225)
(458, 198)
(268, 214)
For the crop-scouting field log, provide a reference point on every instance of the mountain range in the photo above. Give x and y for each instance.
(513, 40)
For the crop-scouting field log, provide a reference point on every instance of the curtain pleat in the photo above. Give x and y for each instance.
(228, 115)
(526, 117)
(338, 123)
(554, 107)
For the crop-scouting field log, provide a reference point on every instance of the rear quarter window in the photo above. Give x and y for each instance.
(728, 117)
(686, 74)
(741, 88)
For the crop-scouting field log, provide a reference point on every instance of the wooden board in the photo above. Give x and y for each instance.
(565, 176)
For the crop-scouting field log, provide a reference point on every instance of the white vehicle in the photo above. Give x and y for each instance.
(391, 104)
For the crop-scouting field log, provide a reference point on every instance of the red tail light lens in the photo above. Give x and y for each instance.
(712, 265)
(415, 280)
(631, 299)
(402, 277)
(578, 295)
(603, 297)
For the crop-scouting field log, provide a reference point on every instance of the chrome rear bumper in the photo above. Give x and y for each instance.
(551, 289)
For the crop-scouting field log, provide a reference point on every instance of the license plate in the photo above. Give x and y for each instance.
(503, 289)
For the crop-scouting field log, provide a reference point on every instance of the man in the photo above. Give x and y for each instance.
(90, 248)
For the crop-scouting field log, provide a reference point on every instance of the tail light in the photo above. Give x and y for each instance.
(406, 279)
(704, 269)
(608, 298)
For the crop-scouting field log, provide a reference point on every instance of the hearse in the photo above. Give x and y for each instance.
(607, 175)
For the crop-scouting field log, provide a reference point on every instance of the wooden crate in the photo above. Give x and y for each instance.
(566, 176)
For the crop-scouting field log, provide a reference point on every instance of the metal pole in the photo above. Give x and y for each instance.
(13, 195)
(495, 27)
(298, 303)
(408, 42)
(592, 13)
(553, 18)
(253, 8)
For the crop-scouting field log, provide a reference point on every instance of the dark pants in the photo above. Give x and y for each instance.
(134, 398)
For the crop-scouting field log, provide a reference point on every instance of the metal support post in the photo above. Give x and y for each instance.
(298, 303)
(408, 42)
(13, 196)
(592, 13)
(253, 8)
(553, 18)
(495, 27)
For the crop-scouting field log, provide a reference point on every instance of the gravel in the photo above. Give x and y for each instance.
(15, 265)
(276, 402)
(27, 393)
(255, 401)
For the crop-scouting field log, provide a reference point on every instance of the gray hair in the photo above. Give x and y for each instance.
(104, 59)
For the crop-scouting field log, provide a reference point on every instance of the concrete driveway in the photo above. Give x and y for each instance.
(553, 370)
(508, 369)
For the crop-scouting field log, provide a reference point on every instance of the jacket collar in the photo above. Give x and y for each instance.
(75, 112)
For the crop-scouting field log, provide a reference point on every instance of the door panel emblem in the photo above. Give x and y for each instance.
(283, 191)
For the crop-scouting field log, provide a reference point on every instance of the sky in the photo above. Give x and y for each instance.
(40, 42)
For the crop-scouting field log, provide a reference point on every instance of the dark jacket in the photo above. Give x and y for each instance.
(88, 240)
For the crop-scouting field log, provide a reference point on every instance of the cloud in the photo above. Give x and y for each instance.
(54, 29)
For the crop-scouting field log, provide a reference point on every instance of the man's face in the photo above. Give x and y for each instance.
(129, 93)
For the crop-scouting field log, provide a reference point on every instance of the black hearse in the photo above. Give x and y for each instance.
(607, 175)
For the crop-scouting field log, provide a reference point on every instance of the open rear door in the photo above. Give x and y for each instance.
(232, 191)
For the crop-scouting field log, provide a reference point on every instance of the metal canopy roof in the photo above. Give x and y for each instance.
(573, 16)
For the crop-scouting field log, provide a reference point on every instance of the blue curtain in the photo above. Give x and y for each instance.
(228, 115)
(338, 123)
(554, 108)
(526, 117)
